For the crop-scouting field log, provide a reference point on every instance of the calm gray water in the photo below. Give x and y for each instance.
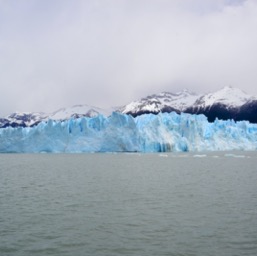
(128, 204)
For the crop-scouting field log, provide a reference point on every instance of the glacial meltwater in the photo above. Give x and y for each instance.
(180, 204)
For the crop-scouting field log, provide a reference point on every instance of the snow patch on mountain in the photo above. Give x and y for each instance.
(229, 96)
(24, 118)
(27, 119)
(157, 102)
(77, 111)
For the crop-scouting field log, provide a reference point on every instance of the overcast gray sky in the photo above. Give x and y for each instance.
(57, 53)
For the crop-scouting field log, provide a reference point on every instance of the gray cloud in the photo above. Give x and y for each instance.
(60, 53)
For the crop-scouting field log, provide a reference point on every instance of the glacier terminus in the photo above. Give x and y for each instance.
(164, 132)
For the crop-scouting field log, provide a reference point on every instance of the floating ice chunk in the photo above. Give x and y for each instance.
(233, 155)
(163, 155)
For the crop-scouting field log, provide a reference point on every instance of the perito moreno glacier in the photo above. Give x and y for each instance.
(123, 133)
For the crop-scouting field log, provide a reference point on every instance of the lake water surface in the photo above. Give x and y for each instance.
(128, 204)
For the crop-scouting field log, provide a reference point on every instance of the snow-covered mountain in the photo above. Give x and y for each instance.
(78, 111)
(162, 102)
(228, 96)
(25, 119)
(226, 103)
(22, 119)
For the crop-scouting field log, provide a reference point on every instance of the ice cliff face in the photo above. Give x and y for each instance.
(123, 133)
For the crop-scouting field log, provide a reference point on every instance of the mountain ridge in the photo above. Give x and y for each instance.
(226, 103)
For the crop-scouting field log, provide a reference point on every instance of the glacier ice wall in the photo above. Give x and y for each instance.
(123, 133)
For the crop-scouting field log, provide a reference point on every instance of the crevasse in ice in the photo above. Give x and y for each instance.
(123, 133)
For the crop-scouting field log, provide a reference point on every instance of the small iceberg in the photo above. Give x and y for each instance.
(233, 155)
